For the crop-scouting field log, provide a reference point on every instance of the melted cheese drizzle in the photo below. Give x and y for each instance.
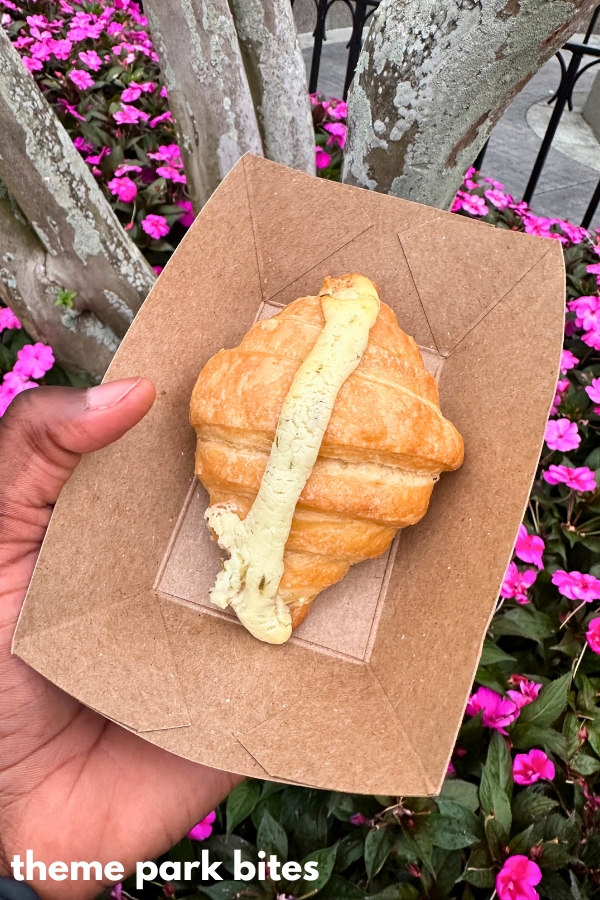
(250, 578)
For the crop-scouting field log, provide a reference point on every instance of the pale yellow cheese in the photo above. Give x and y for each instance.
(250, 577)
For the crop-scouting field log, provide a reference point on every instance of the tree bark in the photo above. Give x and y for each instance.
(277, 77)
(432, 81)
(80, 341)
(208, 89)
(86, 249)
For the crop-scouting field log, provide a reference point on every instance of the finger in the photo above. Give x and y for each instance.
(45, 431)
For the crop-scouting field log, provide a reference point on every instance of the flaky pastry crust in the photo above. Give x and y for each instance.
(382, 452)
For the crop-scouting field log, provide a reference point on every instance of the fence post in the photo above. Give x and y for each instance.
(432, 81)
(86, 249)
(80, 341)
(208, 88)
(277, 77)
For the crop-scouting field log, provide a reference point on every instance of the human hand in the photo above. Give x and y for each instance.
(74, 786)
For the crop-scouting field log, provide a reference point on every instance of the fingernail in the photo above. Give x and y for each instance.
(111, 393)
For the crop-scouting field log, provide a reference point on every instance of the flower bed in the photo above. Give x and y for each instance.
(519, 812)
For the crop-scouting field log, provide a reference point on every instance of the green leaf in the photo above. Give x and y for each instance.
(553, 887)
(529, 804)
(479, 871)
(548, 705)
(522, 842)
(378, 844)
(487, 679)
(271, 837)
(402, 891)
(230, 890)
(462, 792)
(350, 849)
(525, 621)
(525, 736)
(585, 765)
(241, 802)
(223, 848)
(325, 860)
(494, 793)
(491, 654)
(337, 888)
(456, 827)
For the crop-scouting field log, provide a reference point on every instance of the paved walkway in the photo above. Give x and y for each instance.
(566, 185)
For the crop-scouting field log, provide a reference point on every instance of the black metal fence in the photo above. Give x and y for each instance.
(361, 10)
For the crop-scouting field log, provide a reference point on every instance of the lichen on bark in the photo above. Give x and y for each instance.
(208, 89)
(277, 78)
(85, 247)
(434, 77)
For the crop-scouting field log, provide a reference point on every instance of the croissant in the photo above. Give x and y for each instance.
(320, 435)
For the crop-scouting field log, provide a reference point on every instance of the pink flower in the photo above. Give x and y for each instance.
(592, 338)
(96, 159)
(117, 892)
(517, 583)
(12, 385)
(129, 115)
(81, 79)
(164, 117)
(594, 269)
(125, 168)
(568, 361)
(575, 234)
(203, 829)
(164, 92)
(498, 712)
(82, 145)
(33, 65)
(517, 878)
(171, 174)
(358, 819)
(337, 130)
(529, 547)
(577, 586)
(135, 90)
(8, 319)
(337, 109)
(520, 208)
(34, 360)
(593, 390)
(561, 388)
(474, 205)
(114, 28)
(561, 434)
(526, 693)
(70, 108)
(498, 198)
(188, 218)
(322, 158)
(155, 226)
(587, 312)
(457, 203)
(91, 59)
(531, 767)
(158, 269)
(124, 188)
(581, 479)
(451, 771)
(169, 154)
(593, 635)
(61, 49)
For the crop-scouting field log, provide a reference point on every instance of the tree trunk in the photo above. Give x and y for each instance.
(432, 81)
(277, 77)
(80, 341)
(208, 89)
(86, 249)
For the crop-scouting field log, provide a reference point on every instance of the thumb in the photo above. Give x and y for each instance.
(42, 436)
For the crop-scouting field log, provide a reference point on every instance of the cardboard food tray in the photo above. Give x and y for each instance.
(368, 694)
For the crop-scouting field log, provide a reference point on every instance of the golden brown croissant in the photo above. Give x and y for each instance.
(382, 450)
